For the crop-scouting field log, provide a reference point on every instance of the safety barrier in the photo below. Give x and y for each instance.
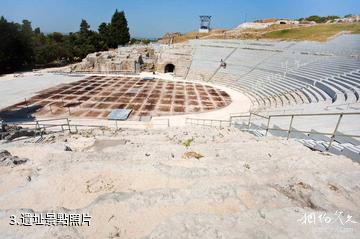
(207, 122)
(290, 130)
(64, 124)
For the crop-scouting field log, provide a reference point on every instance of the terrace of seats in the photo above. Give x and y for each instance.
(284, 75)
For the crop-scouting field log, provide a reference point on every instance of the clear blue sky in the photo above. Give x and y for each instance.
(153, 18)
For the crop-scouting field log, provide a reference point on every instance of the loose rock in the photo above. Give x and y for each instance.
(6, 159)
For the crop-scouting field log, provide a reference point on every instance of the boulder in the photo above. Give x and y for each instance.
(6, 159)
(20, 133)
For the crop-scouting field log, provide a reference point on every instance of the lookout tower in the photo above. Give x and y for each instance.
(205, 24)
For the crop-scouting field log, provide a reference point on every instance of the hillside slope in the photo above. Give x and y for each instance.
(320, 32)
(313, 33)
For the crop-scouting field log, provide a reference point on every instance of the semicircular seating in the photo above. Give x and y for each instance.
(283, 74)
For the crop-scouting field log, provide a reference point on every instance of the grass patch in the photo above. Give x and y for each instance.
(356, 31)
(320, 32)
(187, 143)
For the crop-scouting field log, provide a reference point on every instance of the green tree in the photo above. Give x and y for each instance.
(314, 18)
(57, 37)
(84, 27)
(104, 30)
(21, 47)
(119, 30)
(26, 28)
(37, 31)
(15, 48)
(84, 39)
(29, 35)
(104, 35)
(319, 19)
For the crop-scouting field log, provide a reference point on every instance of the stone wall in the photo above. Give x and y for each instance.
(122, 59)
(136, 59)
(179, 55)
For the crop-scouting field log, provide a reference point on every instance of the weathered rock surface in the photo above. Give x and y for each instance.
(138, 184)
(6, 159)
(13, 132)
(127, 59)
(135, 59)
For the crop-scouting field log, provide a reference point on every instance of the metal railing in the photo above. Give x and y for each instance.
(40, 127)
(42, 124)
(207, 122)
(347, 105)
(152, 122)
(166, 122)
(284, 111)
(290, 130)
